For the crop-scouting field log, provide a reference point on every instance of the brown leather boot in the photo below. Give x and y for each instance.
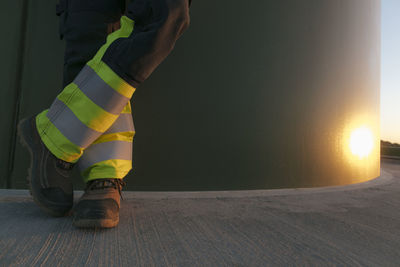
(99, 205)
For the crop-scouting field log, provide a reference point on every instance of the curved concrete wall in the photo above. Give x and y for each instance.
(262, 94)
(257, 94)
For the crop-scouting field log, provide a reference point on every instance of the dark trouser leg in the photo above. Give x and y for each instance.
(84, 25)
(158, 24)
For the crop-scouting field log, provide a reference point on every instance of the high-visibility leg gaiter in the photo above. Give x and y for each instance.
(87, 107)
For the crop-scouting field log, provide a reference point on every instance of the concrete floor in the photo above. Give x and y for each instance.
(357, 225)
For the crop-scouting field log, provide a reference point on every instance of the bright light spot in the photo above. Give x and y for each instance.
(361, 142)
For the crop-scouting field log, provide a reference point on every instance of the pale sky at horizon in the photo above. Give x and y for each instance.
(390, 71)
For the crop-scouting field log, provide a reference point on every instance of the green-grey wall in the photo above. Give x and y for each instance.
(257, 94)
(31, 76)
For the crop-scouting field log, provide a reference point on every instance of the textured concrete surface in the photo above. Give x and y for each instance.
(357, 225)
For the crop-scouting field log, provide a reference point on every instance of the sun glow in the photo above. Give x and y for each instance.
(361, 142)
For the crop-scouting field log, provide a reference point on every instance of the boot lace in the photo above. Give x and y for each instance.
(99, 184)
(64, 164)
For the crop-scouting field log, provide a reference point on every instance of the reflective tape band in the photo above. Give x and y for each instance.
(124, 123)
(111, 78)
(85, 109)
(70, 126)
(105, 151)
(100, 92)
(55, 141)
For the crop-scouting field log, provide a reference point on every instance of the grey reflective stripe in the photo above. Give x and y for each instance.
(70, 126)
(124, 123)
(105, 151)
(99, 92)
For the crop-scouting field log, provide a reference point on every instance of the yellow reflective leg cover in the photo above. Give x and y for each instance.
(110, 156)
(87, 107)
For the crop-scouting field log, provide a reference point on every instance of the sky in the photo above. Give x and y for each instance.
(390, 71)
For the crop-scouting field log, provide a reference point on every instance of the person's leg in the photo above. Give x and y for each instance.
(110, 155)
(84, 27)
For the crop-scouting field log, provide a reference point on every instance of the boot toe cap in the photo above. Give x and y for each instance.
(96, 209)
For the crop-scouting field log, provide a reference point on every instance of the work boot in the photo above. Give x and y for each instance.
(48, 176)
(99, 205)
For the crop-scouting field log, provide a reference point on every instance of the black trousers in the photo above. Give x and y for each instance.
(85, 24)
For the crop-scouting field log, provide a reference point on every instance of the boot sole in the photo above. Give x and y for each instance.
(28, 143)
(95, 223)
